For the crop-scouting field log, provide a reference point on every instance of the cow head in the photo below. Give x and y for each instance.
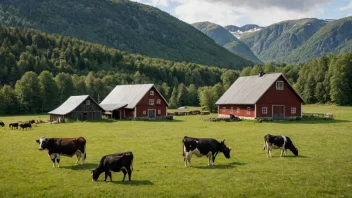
(95, 174)
(294, 150)
(43, 143)
(226, 150)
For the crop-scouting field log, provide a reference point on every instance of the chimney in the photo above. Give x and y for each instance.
(261, 74)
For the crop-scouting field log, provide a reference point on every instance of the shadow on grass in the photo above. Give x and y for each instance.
(86, 166)
(139, 120)
(131, 183)
(299, 156)
(222, 166)
(315, 121)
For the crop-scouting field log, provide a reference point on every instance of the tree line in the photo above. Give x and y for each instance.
(39, 71)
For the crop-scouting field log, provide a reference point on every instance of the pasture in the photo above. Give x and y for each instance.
(323, 168)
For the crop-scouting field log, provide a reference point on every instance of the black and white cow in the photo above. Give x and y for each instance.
(203, 147)
(13, 125)
(2, 124)
(116, 163)
(279, 142)
(63, 146)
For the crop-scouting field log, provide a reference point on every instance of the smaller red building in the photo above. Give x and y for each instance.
(135, 101)
(266, 96)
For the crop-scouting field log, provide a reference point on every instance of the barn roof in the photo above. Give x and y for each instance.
(128, 95)
(249, 89)
(71, 104)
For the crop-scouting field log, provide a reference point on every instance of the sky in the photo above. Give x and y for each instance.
(260, 12)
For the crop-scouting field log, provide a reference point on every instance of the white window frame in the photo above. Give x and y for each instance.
(159, 112)
(151, 101)
(144, 112)
(277, 85)
(238, 110)
(293, 110)
(248, 110)
(88, 102)
(151, 93)
(264, 110)
(224, 109)
(158, 101)
(231, 110)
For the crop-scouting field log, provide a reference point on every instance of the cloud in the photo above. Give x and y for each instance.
(296, 5)
(225, 12)
(348, 7)
(240, 12)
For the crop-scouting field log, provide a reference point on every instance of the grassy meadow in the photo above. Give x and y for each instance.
(323, 168)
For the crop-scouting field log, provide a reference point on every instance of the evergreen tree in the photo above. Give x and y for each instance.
(182, 95)
(49, 91)
(173, 99)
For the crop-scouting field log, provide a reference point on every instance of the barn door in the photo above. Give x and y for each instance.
(278, 112)
(151, 113)
(85, 116)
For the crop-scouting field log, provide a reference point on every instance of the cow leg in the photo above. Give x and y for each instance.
(110, 175)
(52, 157)
(282, 152)
(214, 156)
(58, 160)
(78, 154)
(124, 174)
(209, 158)
(185, 158)
(83, 157)
(129, 174)
(106, 175)
(189, 157)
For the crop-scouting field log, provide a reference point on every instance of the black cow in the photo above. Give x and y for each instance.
(26, 125)
(13, 125)
(203, 147)
(2, 124)
(116, 163)
(63, 146)
(31, 121)
(279, 142)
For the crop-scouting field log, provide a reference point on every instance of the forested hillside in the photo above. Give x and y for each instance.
(335, 38)
(275, 42)
(224, 38)
(120, 24)
(66, 66)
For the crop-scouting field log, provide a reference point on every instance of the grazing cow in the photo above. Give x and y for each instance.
(63, 146)
(2, 124)
(26, 125)
(279, 142)
(13, 126)
(116, 163)
(203, 147)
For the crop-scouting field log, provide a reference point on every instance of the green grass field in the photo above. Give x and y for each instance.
(323, 169)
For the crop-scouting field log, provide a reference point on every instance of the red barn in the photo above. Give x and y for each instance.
(135, 101)
(266, 96)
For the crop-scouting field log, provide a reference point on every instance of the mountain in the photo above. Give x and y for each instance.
(240, 31)
(335, 37)
(224, 38)
(275, 42)
(121, 24)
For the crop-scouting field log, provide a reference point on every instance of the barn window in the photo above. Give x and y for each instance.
(279, 85)
(223, 109)
(144, 112)
(87, 102)
(151, 101)
(159, 112)
(231, 110)
(264, 110)
(248, 110)
(158, 101)
(238, 110)
(293, 110)
(152, 93)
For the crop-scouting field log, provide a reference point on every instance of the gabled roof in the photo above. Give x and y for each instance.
(249, 89)
(71, 104)
(128, 95)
